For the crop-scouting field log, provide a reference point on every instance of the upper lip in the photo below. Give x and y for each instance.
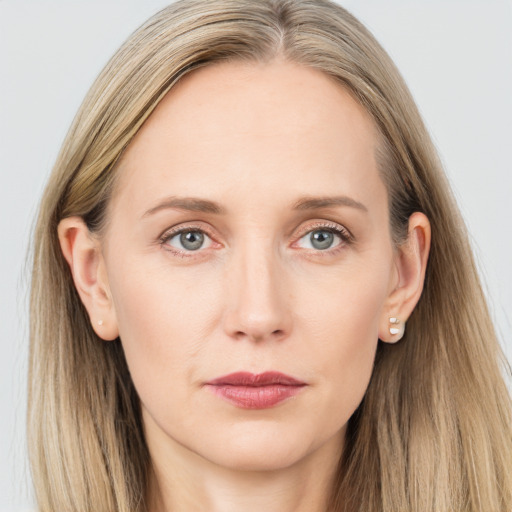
(255, 380)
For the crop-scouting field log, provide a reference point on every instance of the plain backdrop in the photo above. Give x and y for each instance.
(456, 56)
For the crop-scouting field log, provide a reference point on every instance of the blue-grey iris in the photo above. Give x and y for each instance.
(192, 240)
(321, 239)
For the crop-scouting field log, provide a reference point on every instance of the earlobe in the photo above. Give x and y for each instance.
(82, 252)
(411, 265)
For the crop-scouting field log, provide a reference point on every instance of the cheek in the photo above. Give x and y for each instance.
(340, 321)
(346, 303)
(164, 319)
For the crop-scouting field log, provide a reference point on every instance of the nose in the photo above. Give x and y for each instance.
(257, 299)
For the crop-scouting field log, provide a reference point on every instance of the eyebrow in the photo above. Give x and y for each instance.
(315, 203)
(194, 204)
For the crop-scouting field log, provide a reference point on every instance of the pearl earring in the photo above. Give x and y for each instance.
(394, 330)
(100, 322)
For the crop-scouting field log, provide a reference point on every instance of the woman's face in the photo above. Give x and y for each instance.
(249, 233)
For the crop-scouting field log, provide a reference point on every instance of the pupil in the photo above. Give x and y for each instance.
(192, 240)
(321, 239)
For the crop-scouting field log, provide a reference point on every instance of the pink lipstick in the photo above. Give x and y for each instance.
(250, 391)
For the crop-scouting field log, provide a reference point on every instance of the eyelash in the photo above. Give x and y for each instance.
(344, 234)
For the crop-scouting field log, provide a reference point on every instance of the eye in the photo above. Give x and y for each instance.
(188, 240)
(323, 239)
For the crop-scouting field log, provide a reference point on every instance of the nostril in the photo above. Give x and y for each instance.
(278, 333)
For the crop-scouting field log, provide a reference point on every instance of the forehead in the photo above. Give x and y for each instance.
(251, 126)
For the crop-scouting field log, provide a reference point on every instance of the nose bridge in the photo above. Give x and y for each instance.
(257, 307)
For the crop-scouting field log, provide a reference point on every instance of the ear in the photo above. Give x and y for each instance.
(82, 251)
(411, 264)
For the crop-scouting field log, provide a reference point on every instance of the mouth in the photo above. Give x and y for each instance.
(255, 391)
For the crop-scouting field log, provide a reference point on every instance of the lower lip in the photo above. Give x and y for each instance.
(255, 397)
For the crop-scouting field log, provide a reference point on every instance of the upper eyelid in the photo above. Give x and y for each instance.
(334, 226)
(201, 227)
(176, 230)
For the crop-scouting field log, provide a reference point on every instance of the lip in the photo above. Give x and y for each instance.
(255, 391)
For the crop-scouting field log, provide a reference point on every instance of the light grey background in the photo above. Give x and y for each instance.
(456, 56)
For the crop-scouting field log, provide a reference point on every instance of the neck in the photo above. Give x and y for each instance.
(184, 481)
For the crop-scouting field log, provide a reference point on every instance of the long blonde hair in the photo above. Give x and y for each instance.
(433, 432)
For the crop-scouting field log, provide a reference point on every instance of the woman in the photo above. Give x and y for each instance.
(252, 287)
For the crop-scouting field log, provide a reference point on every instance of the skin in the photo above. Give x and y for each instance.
(258, 295)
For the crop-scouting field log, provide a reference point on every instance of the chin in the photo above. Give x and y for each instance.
(256, 458)
(257, 449)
